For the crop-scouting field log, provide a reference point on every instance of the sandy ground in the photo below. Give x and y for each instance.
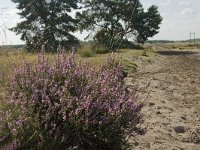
(169, 86)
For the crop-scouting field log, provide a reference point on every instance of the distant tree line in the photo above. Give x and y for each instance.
(111, 23)
(13, 46)
(159, 41)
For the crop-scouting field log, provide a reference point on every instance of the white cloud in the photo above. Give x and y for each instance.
(187, 11)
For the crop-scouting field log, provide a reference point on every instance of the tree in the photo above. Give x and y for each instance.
(49, 24)
(149, 25)
(117, 20)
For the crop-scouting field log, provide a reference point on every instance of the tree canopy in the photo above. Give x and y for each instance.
(117, 20)
(113, 21)
(46, 23)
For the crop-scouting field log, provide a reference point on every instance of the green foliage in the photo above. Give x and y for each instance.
(49, 24)
(99, 49)
(130, 67)
(126, 44)
(117, 20)
(86, 53)
(148, 23)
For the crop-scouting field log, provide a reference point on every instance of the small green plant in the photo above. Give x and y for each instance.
(129, 66)
(144, 53)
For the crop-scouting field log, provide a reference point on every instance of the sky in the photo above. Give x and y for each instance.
(180, 17)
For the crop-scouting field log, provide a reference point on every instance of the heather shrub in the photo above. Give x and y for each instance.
(66, 105)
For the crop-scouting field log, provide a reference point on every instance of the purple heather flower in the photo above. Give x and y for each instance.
(14, 132)
(69, 98)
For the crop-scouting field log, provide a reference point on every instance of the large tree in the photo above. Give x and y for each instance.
(116, 20)
(46, 23)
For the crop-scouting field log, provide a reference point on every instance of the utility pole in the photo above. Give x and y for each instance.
(194, 38)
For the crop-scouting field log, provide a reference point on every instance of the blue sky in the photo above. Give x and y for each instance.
(180, 17)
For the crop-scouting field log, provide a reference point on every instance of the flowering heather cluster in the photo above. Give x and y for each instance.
(67, 105)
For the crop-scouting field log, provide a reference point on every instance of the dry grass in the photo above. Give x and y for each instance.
(7, 59)
(175, 45)
(10, 57)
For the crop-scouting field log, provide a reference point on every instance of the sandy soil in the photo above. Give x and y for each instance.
(169, 86)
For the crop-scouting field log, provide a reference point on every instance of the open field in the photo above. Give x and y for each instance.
(10, 57)
(13, 56)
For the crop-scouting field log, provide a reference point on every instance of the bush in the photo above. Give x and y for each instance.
(70, 106)
(130, 45)
(86, 53)
(99, 49)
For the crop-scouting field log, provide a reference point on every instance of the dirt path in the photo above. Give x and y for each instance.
(171, 81)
